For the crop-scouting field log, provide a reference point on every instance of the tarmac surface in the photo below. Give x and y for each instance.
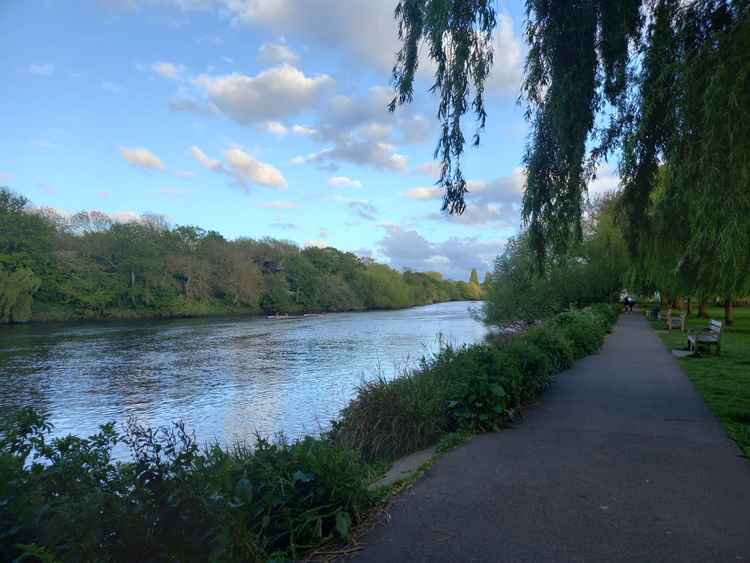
(620, 461)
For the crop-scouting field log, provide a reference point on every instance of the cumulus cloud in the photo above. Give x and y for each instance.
(382, 156)
(211, 163)
(243, 167)
(494, 201)
(44, 69)
(373, 41)
(144, 158)
(249, 170)
(454, 257)
(276, 53)
(343, 182)
(273, 94)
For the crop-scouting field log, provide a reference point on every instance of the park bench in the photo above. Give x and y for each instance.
(676, 322)
(707, 337)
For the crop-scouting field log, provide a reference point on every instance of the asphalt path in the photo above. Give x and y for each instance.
(620, 461)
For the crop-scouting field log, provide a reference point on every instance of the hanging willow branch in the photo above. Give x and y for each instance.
(458, 38)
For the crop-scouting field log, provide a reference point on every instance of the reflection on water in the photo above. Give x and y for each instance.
(226, 378)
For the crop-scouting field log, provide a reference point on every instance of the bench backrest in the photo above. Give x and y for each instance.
(714, 326)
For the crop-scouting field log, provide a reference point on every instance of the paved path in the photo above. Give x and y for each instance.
(620, 461)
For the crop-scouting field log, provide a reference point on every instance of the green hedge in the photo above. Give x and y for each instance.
(66, 500)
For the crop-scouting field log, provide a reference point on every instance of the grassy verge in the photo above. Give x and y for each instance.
(724, 381)
(66, 500)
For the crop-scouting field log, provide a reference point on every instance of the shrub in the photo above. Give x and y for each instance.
(65, 499)
(553, 343)
(535, 365)
(607, 313)
(584, 330)
(485, 389)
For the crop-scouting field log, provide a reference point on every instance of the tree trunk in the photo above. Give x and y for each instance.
(689, 308)
(728, 311)
(132, 279)
(702, 308)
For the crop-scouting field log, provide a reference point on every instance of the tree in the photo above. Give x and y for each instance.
(683, 100)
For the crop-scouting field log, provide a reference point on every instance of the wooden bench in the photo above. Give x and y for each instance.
(676, 322)
(707, 337)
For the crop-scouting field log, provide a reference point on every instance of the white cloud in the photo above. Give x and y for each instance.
(275, 128)
(301, 130)
(421, 192)
(454, 257)
(247, 169)
(507, 67)
(278, 205)
(432, 168)
(44, 69)
(379, 155)
(607, 180)
(323, 233)
(273, 94)
(184, 173)
(276, 53)
(343, 182)
(363, 29)
(211, 163)
(168, 70)
(144, 158)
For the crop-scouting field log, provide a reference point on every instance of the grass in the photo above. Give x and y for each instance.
(724, 381)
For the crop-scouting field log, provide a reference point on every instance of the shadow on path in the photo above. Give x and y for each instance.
(620, 461)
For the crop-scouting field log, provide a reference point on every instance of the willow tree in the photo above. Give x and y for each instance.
(650, 81)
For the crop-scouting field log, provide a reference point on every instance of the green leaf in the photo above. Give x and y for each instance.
(343, 524)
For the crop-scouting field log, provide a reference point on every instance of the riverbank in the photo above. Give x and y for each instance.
(44, 313)
(724, 381)
(276, 500)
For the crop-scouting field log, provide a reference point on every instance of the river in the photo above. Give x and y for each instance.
(225, 378)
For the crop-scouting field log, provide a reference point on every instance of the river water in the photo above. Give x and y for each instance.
(225, 378)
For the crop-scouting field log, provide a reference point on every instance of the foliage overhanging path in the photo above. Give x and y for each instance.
(621, 461)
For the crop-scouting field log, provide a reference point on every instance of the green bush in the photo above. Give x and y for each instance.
(67, 500)
(553, 342)
(535, 365)
(485, 387)
(584, 330)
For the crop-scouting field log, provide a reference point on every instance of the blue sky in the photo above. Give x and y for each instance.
(254, 118)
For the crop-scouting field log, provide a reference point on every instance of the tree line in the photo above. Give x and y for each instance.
(90, 266)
